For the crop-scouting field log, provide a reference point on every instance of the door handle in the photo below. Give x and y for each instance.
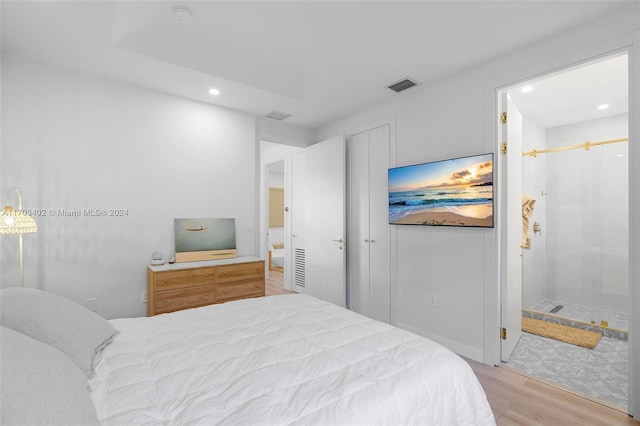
(338, 241)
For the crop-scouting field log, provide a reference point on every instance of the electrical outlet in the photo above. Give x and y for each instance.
(433, 300)
(143, 297)
(92, 304)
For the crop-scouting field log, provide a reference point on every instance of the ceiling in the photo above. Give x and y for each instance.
(319, 61)
(573, 95)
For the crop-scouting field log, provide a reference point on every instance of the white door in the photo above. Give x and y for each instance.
(325, 220)
(379, 228)
(369, 246)
(295, 245)
(358, 230)
(512, 238)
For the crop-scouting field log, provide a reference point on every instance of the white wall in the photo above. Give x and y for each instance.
(587, 215)
(435, 123)
(276, 179)
(72, 141)
(282, 133)
(454, 118)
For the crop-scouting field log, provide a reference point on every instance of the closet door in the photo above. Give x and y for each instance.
(369, 231)
(379, 228)
(358, 229)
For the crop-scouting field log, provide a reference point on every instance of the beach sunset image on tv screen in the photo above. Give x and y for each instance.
(456, 192)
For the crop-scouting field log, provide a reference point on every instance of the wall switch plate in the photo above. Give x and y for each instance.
(143, 297)
(92, 304)
(249, 225)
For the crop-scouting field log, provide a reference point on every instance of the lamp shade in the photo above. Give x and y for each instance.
(16, 222)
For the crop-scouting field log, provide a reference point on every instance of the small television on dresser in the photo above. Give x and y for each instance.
(204, 239)
(453, 192)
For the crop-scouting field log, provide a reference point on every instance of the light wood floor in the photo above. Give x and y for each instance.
(519, 399)
(275, 283)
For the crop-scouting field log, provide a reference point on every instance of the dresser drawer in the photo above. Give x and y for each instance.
(169, 280)
(240, 271)
(239, 290)
(174, 300)
(175, 287)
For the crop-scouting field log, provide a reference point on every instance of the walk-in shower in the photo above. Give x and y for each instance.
(577, 266)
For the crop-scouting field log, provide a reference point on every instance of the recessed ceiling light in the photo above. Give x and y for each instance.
(214, 92)
(603, 106)
(526, 89)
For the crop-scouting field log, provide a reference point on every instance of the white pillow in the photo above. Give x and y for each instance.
(72, 329)
(40, 385)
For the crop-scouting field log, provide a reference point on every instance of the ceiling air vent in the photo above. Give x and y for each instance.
(404, 84)
(277, 115)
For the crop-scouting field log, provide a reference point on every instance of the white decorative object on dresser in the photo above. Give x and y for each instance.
(174, 287)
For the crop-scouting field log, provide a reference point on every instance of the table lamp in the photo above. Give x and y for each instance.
(14, 222)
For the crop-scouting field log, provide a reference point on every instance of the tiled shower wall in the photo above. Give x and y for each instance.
(585, 227)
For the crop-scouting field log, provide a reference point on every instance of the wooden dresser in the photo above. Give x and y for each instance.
(177, 286)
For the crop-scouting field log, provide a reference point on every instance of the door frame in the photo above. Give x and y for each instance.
(263, 184)
(511, 281)
(629, 43)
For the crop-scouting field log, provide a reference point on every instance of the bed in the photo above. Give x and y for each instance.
(288, 359)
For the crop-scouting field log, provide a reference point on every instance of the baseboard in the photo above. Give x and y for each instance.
(460, 349)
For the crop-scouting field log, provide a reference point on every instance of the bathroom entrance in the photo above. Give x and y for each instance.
(573, 252)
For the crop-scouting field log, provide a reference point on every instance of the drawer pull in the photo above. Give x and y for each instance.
(164, 300)
(164, 281)
(206, 276)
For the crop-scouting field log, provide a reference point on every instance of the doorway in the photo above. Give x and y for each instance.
(314, 254)
(574, 243)
(275, 172)
(276, 229)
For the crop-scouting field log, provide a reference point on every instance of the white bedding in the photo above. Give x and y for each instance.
(280, 360)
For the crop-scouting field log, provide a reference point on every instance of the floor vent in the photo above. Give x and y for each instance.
(556, 309)
(299, 268)
(277, 115)
(404, 84)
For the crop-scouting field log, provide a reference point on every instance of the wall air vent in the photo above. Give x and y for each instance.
(404, 84)
(277, 115)
(299, 268)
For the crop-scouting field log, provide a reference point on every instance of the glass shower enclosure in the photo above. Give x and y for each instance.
(576, 267)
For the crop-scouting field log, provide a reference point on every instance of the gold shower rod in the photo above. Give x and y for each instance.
(586, 146)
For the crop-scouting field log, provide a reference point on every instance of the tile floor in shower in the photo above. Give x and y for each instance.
(601, 372)
(617, 320)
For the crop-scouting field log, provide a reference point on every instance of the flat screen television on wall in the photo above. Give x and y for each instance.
(454, 192)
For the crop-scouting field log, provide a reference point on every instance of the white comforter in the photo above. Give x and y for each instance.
(281, 360)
